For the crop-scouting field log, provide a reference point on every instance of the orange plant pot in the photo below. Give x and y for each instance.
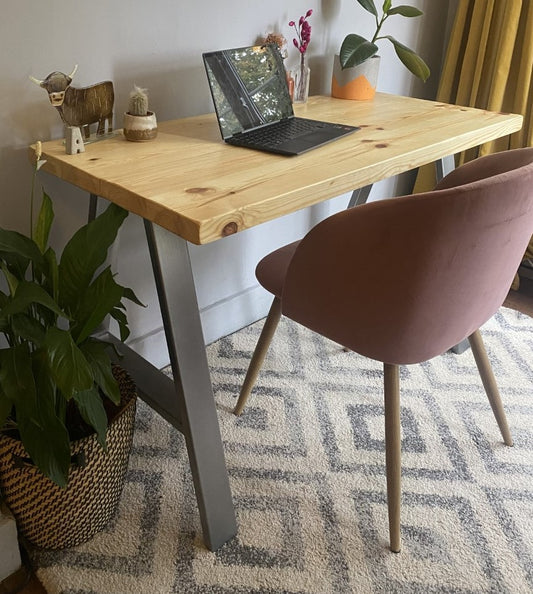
(358, 83)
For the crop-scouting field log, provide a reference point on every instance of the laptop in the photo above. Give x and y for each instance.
(253, 105)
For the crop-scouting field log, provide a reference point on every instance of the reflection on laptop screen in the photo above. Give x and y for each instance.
(249, 87)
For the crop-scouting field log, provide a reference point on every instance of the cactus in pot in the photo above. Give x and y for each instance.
(139, 123)
(138, 103)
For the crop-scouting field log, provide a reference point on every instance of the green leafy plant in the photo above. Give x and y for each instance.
(356, 49)
(52, 365)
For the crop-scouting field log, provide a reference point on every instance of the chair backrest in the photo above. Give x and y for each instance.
(405, 279)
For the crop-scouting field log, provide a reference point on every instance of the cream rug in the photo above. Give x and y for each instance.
(306, 465)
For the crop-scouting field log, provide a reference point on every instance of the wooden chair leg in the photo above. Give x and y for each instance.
(393, 451)
(271, 323)
(489, 383)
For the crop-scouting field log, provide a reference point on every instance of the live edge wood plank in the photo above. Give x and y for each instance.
(190, 182)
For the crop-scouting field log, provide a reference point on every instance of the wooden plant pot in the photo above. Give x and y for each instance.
(53, 517)
(140, 128)
(357, 83)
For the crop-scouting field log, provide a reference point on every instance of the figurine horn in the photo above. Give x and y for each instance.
(36, 80)
(71, 75)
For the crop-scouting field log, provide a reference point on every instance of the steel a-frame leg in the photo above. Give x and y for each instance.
(193, 390)
(359, 196)
(186, 401)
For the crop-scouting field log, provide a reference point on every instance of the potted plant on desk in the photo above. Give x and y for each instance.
(356, 67)
(66, 414)
(140, 124)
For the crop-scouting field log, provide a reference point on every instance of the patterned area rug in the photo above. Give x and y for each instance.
(306, 464)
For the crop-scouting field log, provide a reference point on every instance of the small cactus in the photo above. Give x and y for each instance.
(138, 103)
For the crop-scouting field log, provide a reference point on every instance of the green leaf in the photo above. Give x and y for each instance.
(355, 50)
(68, 365)
(122, 321)
(386, 6)
(5, 407)
(28, 328)
(410, 60)
(47, 443)
(85, 253)
(96, 353)
(52, 284)
(16, 253)
(16, 378)
(99, 299)
(14, 265)
(12, 281)
(44, 384)
(26, 294)
(44, 223)
(406, 11)
(5, 326)
(13, 242)
(129, 294)
(93, 412)
(120, 316)
(369, 6)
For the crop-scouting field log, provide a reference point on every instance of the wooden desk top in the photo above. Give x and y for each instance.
(192, 183)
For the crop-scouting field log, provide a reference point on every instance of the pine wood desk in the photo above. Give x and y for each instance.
(190, 183)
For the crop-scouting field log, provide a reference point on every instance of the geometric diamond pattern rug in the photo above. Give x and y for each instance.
(307, 469)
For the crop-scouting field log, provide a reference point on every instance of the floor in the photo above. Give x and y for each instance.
(521, 300)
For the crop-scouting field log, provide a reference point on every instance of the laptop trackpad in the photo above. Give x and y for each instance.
(314, 139)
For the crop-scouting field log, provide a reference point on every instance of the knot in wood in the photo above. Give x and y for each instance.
(230, 229)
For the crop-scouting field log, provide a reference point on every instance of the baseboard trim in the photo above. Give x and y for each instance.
(218, 319)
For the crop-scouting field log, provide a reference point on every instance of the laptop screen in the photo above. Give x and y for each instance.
(249, 87)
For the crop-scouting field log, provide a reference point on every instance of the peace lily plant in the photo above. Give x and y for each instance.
(356, 49)
(52, 370)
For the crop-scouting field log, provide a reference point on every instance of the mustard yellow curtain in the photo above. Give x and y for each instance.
(489, 65)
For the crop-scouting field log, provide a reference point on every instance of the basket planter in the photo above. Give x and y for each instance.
(53, 517)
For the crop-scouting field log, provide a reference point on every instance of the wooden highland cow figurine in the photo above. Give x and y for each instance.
(80, 107)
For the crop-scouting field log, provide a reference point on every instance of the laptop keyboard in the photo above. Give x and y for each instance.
(277, 133)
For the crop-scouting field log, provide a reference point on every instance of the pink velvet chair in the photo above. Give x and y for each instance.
(405, 279)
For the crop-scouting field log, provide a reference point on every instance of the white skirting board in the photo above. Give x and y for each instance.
(219, 319)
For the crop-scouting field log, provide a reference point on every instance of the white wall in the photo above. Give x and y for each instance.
(158, 45)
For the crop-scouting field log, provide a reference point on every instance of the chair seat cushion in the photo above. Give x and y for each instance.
(272, 269)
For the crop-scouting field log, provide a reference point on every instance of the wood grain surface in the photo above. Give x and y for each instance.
(192, 183)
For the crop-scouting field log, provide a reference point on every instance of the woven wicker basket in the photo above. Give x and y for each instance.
(52, 517)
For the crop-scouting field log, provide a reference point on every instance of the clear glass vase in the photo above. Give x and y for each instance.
(301, 75)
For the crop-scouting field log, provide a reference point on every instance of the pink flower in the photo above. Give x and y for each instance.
(303, 31)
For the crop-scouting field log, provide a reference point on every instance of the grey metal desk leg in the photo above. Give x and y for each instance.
(460, 348)
(444, 166)
(359, 196)
(199, 422)
(93, 203)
